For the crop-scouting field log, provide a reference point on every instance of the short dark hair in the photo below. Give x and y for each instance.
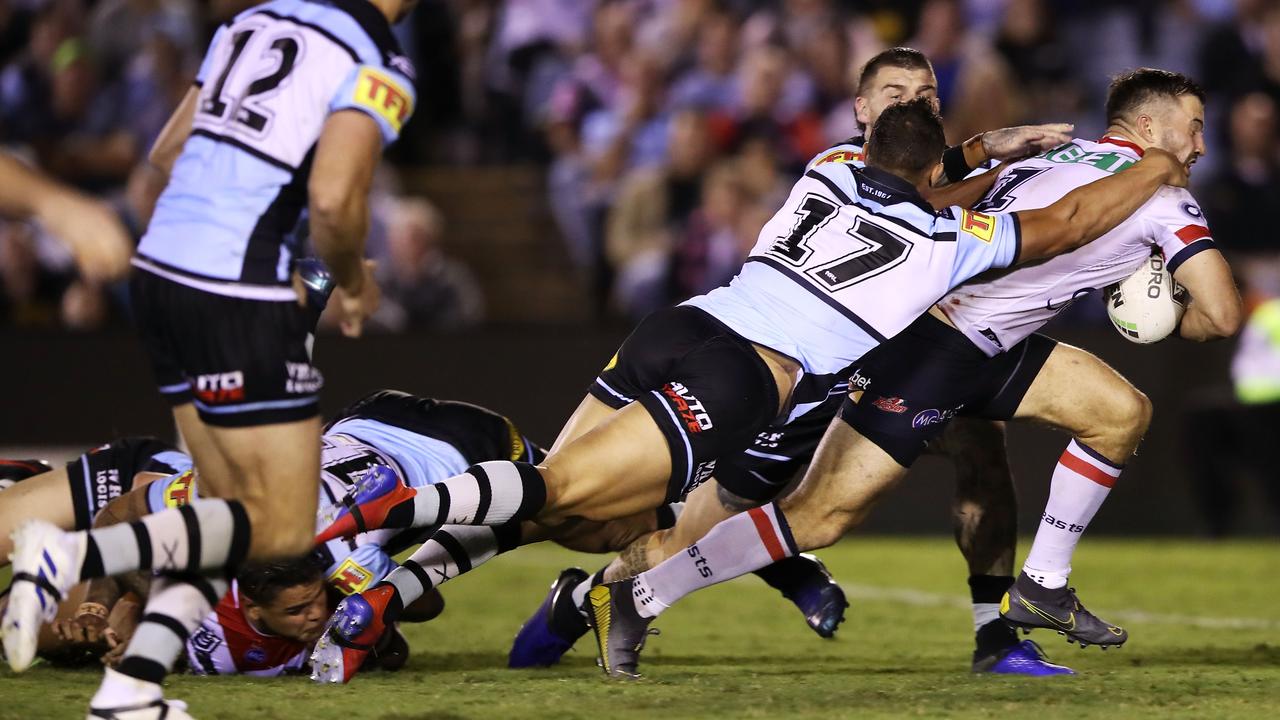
(1130, 90)
(899, 57)
(907, 137)
(262, 582)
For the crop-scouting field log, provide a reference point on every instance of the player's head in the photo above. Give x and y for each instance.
(286, 597)
(892, 76)
(907, 140)
(1159, 108)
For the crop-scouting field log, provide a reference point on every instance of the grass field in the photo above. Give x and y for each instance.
(1204, 621)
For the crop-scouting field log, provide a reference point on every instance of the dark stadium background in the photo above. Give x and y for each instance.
(520, 237)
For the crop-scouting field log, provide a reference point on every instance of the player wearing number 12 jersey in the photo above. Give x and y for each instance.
(852, 258)
(291, 108)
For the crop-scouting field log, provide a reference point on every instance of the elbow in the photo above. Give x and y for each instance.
(1224, 319)
(328, 206)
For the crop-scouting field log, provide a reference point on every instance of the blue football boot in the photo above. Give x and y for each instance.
(1025, 658)
(553, 628)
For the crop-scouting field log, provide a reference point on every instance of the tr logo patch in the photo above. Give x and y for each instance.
(384, 96)
(978, 225)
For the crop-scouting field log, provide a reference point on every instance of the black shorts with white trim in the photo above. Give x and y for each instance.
(908, 389)
(107, 472)
(242, 361)
(705, 386)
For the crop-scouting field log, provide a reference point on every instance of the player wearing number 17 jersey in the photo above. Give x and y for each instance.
(291, 108)
(851, 259)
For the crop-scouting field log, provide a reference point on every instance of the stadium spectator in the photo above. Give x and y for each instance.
(422, 287)
(652, 210)
(968, 72)
(1240, 199)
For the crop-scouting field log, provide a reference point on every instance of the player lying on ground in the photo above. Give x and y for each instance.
(401, 438)
(705, 378)
(985, 508)
(291, 107)
(975, 354)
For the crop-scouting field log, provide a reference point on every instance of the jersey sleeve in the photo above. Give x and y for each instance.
(206, 65)
(1178, 227)
(983, 241)
(383, 94)
(357, 570)
(207, 650)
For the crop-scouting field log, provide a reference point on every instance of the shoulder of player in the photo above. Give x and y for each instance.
(845, 151)
(354, 25)
(1174, 207)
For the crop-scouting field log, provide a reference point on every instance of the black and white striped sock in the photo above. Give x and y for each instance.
(177, 604)
(491, 493)
(205, 535)
(451, 551)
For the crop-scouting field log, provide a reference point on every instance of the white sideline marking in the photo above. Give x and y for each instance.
(928, 599)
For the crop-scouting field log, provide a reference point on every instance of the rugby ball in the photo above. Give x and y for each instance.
(1147, 306)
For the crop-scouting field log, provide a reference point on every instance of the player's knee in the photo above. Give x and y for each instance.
(1132, 413)
(814, 531)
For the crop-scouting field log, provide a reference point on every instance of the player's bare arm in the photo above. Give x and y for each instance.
(1214, 310)
(1089, 212)
(964, 194)
(342, 172)
(90, 622)
(89, 228)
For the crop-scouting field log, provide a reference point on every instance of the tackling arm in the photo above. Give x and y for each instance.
(1090, 211)
(1215, 310)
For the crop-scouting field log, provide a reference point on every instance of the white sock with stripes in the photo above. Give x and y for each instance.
(1081, 482)
(744, 543)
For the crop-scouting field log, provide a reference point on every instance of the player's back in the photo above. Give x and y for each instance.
(853, 256)
(268, 82)
(999, 309)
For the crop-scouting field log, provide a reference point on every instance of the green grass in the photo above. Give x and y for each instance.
(739, 651)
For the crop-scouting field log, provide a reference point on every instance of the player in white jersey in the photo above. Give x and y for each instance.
(292, 106)
(907, 389)
(698, 382)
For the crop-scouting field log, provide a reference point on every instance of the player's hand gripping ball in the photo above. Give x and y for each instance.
(1147, 306)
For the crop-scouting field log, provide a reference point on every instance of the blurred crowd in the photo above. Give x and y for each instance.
(669, 130)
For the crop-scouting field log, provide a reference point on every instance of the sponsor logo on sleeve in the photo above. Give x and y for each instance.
(350, 577)
(840, 156)
(384, 96)
(1192, 210)
(180, 490)
(978, 225)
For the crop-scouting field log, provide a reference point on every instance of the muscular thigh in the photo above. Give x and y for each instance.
(270, 467)
(1076, 391)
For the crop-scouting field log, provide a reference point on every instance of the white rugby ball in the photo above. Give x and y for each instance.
(1147, 306)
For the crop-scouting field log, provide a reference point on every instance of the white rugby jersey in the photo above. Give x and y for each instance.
(852, 258)
(270, 79)
(1000, 309)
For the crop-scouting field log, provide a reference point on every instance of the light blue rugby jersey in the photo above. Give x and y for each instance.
(270, 79)
(853, 257)
(348, 450)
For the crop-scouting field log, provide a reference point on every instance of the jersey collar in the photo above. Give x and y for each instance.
(1113, 140)
(886, 188)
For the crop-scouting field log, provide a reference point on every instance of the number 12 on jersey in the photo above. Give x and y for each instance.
(878, 249)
